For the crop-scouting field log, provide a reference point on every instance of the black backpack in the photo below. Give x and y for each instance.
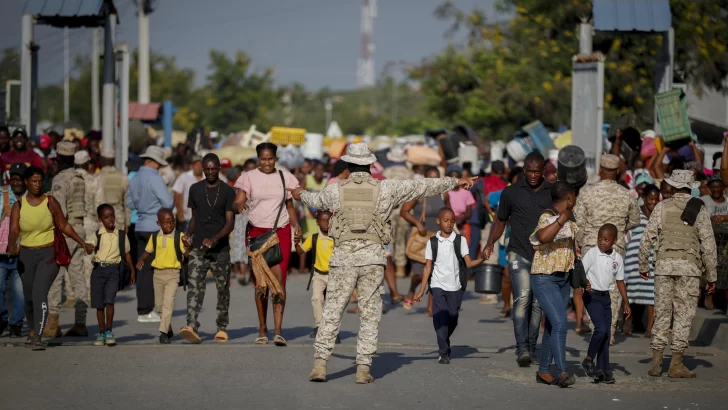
(180, 256)
(463, 273)
(124, 270)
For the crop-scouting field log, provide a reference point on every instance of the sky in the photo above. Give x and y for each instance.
(314, 42)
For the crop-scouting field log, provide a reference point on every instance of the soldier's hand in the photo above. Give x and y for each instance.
(487, 251)
(295, 192)
(710, 288)
(467, 183)
(645, 275)
(89, 248)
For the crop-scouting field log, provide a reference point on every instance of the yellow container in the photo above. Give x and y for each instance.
(287, 136)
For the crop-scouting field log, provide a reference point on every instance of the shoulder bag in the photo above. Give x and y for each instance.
(272, 256)
(60, 247)
(416, 243)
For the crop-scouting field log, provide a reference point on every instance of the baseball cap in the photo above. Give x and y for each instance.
(225, 163)
(18, 169)
(45, 141)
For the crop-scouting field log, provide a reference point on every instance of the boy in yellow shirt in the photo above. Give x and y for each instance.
(168, 263)
(107, 274)
(322, 246)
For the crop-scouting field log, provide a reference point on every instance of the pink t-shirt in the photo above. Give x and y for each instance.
(265, 193)
(460, 200)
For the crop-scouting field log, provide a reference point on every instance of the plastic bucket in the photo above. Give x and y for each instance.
(313, 148)
(469, 153)
(488, 279)
(518, 149)
(572, 166)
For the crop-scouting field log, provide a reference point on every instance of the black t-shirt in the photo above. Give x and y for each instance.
(210, 206)
(522, 206)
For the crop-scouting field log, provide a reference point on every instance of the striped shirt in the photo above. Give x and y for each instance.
(639, 291)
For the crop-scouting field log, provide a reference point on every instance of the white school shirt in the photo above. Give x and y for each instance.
(602, 269)
(446, 270)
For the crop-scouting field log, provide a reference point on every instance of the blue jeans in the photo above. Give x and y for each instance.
(9, 274)
(526, 309)
(552, 293)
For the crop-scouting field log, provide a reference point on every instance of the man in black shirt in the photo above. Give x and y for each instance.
(211, 202)
(522, 204)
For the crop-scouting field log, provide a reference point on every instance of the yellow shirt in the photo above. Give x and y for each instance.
(166, 256)
(324, 249)
(36, 224)
(109, 248)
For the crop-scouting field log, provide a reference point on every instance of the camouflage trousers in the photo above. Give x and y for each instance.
(75, 273)
(342, 281)
(400, 227)
(200, 262)
(676, 299)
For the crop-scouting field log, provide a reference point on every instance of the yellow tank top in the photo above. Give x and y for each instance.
(36, 224)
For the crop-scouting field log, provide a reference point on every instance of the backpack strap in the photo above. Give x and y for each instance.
(463, 272)
(434, 242)
(98, 244)
(154, 242)
(178, 251)
(122, 244)
(314, 241)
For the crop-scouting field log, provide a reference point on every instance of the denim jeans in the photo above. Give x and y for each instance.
(552, 293)
(9, 276)
(526, 309)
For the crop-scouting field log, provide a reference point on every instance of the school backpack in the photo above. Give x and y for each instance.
(180, 256)
(463, 271)
(124, 270)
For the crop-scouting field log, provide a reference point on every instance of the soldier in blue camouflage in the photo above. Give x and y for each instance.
(360, 229)
(681, 228)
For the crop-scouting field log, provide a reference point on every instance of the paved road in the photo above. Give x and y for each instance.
(139, 373)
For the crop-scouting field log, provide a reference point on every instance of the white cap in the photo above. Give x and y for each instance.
(81, 157)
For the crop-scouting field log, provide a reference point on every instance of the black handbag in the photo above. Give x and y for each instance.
(272, 256)
(578, 274)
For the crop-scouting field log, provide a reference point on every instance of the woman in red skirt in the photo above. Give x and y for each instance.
(263, 190)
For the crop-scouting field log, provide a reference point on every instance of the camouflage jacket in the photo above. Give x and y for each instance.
(72, 203)
(392, 193)
(115, 185)
(93, 198)
(602, 203)
(680, 267)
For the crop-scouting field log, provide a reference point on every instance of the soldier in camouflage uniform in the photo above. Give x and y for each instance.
(114, 185)
(606, 202)
(93, 198)
(69, 189)
(685, 245)
(398, 170)
(361, 206)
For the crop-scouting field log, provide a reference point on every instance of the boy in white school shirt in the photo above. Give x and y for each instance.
(447, 260)
(603, 267)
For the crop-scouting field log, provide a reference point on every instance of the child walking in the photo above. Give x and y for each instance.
(112, 251)
(603, 267)
(447, 259)
(167, 247)
(322, 246)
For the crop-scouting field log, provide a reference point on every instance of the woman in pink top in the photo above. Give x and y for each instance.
(262, 190)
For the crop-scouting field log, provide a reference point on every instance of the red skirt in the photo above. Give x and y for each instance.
(285, 237)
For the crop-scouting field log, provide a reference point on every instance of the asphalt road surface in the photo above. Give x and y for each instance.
(141, 374)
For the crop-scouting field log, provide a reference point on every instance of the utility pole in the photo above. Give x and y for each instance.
(365, 71)
(144, 7)
(95, 105)
(107, 132)
(66, 75)
(26, 58)
(328, 106)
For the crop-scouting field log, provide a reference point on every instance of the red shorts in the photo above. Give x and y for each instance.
(285, 237)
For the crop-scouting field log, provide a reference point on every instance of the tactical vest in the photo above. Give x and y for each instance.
(76, 199)
(358, 217)
(113, 185)
(677, 240)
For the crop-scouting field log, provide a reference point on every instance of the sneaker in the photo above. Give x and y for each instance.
(524, 359)
(110, 339)
(170, 334)
(608, 378)
(100, 339)
(37, 344)
(164, 339)
(590, 369)
(313, 333)
(444, 359)
(152, 317)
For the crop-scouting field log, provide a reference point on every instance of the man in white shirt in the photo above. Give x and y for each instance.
(447, 260)
(604, 268)
(181, 190)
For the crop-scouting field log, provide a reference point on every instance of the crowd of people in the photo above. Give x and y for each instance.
(76, 230)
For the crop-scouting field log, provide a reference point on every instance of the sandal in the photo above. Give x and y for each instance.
(397, 300)
(407, 304)
(279, 341)
(221, 336)
(262, 340)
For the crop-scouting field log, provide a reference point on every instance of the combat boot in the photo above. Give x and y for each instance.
(677, 369)
(656, 368)
(318, 374)
(77, 330)
(51, 329)
(363, 375)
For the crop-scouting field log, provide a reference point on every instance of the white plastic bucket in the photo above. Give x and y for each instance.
(313, 147)
(469, 153)
(518, 149)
